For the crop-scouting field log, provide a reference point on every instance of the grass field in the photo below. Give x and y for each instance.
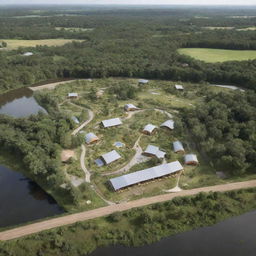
(218, 55)
(13, 44)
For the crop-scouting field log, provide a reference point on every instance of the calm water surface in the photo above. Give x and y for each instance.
(21, 200)
(19, 103)
(233, 237)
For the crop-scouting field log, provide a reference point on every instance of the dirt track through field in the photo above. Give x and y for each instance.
(92, 214)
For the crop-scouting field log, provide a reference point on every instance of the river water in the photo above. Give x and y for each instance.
(235, 236)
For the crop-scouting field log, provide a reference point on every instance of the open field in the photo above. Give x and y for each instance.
(13, 44)
(218, 55)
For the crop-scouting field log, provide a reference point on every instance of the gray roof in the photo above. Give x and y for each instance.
(111, 122)
(169, 124)
(110, 157)
(177, 146)
(143, 81)
(89, 137)
(153, 150)
(190, 158)
(73, 94)
(179, 87)
(28, 54)
(75, 119)
(130, 106)
(144, 175)
(149, 128)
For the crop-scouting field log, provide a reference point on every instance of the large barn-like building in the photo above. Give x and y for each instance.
(156, 172)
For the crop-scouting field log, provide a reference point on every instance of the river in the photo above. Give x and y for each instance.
(235, 236)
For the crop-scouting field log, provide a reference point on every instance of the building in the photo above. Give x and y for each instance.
(149, 129)
(28, 54)
(91, 138)
(154, 151)
(143, 81)
(72, 95)
(191, 159)
(75, 119)
(111, 122)
(168, 124)
(142, 176)
(130, 107)
(179, 87)
(178, 147)
(110, 157)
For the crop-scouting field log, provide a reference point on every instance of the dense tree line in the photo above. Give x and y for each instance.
(224, 128)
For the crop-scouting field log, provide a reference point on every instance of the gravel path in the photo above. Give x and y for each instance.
(104, 211)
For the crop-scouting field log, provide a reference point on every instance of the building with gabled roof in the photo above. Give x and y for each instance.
(179, 87)
(178, 147)
(75, 119)
(28, 54)
(149, 129)
(91, 138)
(73, 95)
(191, 159)
(110, 157)
(145, 175)
(143, 81)
(111, 122)
(130, 107)
(168, 124)
(154, 151)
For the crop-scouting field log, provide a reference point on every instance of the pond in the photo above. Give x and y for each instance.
(21, 200)
(235, 236)
(19, 103)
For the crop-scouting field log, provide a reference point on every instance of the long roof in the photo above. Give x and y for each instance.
(177, 146)
(190, 158)
(144, 175)
(111, 122)
(89, 137)
(72, 94)
(149, 128)
(169, 124)
(143, 81)
(153, 150)
(110, 157)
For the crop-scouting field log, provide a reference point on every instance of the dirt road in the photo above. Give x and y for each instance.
(91, 116)
(82, 163)
(87, 215)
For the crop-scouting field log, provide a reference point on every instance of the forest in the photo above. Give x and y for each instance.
(125, 43)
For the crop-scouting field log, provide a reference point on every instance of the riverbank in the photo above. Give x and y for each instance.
(135, 227)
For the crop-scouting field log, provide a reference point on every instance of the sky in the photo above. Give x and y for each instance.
(136, 2)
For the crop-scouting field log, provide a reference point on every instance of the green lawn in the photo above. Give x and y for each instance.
(218, 55)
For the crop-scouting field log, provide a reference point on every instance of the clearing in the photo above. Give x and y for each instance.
(218, 55)
(13, 44)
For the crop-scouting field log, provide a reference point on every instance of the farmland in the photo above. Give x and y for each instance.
(218, 55)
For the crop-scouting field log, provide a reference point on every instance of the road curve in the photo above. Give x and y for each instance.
(92, 214)
(91, 116)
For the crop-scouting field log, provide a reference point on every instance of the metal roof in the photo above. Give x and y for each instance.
(143, 81)
(179, 87)
(75, 119)
(149, 128)
(89, 137)
(110, 157)
(28, 54)
(130, 106)
(177, 146)
(190, 158)
(73, 94)
(144, 175)
(153, 150)
(169, 124)
(111, 122)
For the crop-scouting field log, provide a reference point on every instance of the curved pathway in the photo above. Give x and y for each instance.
(104, 211)
(91, 116)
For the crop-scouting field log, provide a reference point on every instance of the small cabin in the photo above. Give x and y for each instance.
(191, 159)
(168, 124)
(110, 157)
(130, 107)
(91, 138)
(154, 151)
(179, 87)
(73, 95)
(143, 81)
(149, 129)
(178, 147)
(111, 122)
